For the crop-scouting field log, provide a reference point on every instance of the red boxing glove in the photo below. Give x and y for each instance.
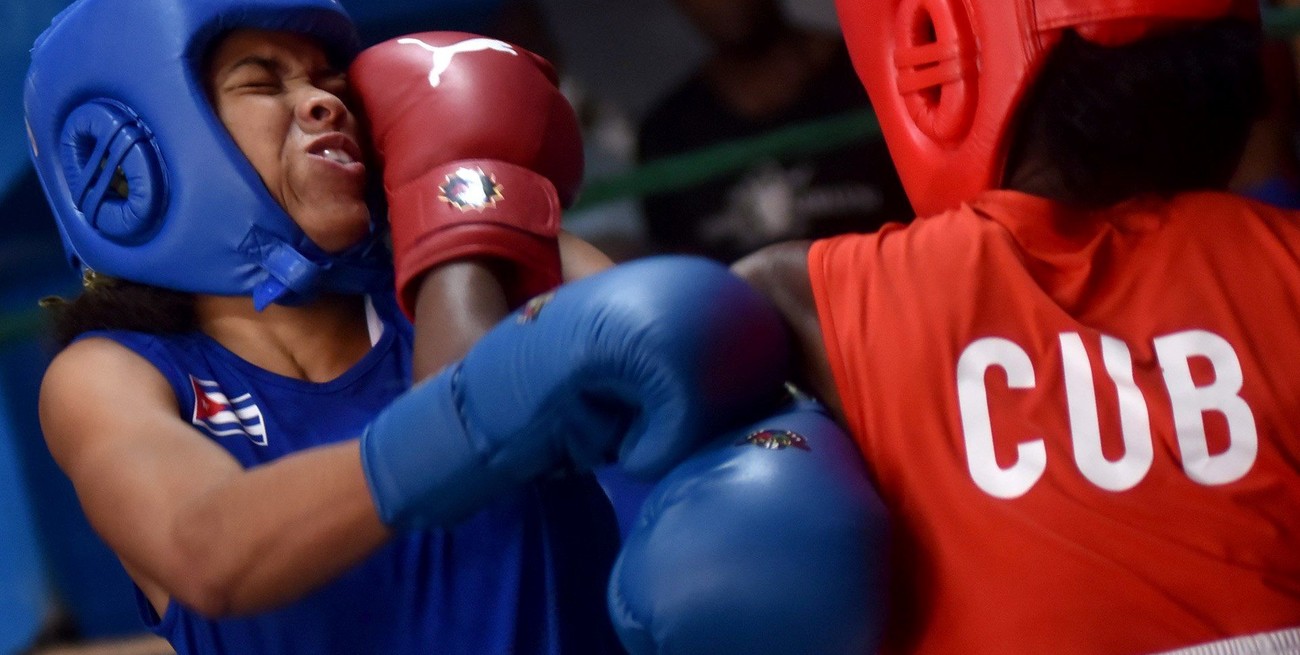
(479, 150)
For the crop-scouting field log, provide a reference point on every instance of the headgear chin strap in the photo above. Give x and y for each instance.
(947, 76)
(144, 180)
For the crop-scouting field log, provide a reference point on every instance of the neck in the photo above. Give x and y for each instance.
(317, 342)
(1039, 181)
(1031, 168)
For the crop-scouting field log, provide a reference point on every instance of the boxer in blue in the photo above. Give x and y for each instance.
(207, 170)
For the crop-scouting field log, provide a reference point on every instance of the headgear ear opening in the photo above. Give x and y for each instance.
(113, 172)
(936, 67)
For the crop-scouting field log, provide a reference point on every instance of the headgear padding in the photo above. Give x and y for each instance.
(145, 182)
(947, 76)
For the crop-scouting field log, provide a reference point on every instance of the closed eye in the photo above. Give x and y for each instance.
(253, 73)
(261, 87)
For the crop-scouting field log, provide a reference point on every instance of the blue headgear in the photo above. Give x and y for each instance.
(145, 182)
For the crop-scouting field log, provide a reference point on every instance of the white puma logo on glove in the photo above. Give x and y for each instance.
(442, 55)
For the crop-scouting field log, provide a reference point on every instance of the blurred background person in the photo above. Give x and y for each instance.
(615, 226)
(1270, 167)
(764, 72)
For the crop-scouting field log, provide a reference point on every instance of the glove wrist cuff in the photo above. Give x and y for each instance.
(477, 208)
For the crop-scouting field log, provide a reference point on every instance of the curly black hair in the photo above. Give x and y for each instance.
(112, 304)
(1161, 115)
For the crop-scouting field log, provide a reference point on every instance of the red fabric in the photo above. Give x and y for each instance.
(1066, 566)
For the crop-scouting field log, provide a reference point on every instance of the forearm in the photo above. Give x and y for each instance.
(460, 301)
(457, 304)
(638, 364)
(274, 533)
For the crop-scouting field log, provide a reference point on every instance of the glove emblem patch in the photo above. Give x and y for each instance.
(470, 188)
(533, 308)
(776, 440)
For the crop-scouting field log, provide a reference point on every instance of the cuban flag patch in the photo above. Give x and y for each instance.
(222, 416)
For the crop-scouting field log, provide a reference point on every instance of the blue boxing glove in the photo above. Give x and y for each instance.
(769, 540)
(640, 364)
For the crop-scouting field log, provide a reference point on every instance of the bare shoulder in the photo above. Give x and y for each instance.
(781, 273)
(579, 258)
(91, 380)
(95, 366)
(95, 351)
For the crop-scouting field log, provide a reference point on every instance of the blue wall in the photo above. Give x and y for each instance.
(22, 585)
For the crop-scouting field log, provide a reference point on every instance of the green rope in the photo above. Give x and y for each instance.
(697, 167)
(1281, 23)
(20, 326)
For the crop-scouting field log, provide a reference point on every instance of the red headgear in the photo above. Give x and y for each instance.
(946, 76)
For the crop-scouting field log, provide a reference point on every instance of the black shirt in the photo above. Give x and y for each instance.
(849, 188)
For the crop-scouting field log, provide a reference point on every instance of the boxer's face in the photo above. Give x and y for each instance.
(283, 103)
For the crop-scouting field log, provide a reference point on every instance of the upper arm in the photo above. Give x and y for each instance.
(110, 420)
(578, 258)
(781, 273)
(184, 516)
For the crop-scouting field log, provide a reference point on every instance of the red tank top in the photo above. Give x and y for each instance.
(1087, 425)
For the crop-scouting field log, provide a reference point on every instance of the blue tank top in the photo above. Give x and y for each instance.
(526, 575)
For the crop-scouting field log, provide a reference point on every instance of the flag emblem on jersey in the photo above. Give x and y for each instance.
(776, 440)
(222, 416)
(468, 189)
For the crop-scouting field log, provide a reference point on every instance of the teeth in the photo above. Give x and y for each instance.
(337, 156)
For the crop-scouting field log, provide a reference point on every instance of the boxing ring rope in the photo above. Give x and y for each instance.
(1281, 22)
(659, 176)
(692, 168)
(696, 167)
(20, 326)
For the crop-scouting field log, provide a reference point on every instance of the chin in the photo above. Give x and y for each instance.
(337, 231)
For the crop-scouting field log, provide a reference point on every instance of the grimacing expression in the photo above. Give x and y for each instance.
(287, 108)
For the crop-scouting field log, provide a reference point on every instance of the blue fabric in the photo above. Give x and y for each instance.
(22, 594)
(1279, 191)
(626, 494)
(526, 575)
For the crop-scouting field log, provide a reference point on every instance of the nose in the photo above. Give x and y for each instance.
(321, 108)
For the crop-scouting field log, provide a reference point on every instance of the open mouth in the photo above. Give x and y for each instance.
(338, 156)
(338, 148)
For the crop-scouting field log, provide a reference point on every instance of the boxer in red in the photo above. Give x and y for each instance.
(1072, 379)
